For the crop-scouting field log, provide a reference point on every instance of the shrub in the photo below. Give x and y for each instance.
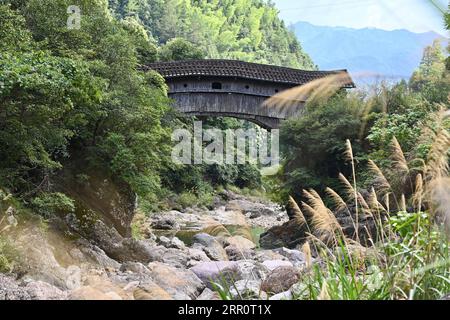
(187, 199)
(8, 256)
(47, 204)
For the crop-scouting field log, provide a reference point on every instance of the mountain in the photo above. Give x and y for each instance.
(386, 54)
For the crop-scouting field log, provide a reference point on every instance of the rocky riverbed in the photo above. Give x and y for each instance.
(180, 255)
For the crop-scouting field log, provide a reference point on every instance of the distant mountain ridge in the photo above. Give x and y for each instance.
(389, 54)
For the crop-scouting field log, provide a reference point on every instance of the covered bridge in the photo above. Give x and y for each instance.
(233, 88)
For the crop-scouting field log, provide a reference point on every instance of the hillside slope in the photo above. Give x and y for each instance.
(230, 29)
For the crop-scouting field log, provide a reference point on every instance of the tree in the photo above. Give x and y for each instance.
(84, 100)
(431, 67)
(313, 145)
(180, 49)
(13, 30)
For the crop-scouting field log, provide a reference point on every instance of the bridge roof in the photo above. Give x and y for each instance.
(240, 69)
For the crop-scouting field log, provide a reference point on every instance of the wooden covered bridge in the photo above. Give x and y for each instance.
(233, 88)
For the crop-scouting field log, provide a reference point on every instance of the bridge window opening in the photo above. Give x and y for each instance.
(247, 87)
(217, 85)
(185, 85)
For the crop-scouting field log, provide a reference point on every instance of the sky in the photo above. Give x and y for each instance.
(413, 15)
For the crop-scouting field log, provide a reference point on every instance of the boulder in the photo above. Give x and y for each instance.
(289, 235)
(10, 289)
(175, 257)
(217, 272)
(92, 254)
(295, 256)
(286, 295)
(235, 253)
(151, 291)
(254, 209)
(280, 279)
(137, 250)
(240, 242)
(263, 255)
(38, 257)
(90, 293)
(165, 223)
(112, 243)
(73, 279)
(177, 244)
(112, 284)
(274, 264)
(252, 270)
(196, 256)
(247, 290)
(211, 246)
(134, 267)
(171, 243)
(164, 241)
(208, 295)
(180, 284)
(39, 290)
(239, 248)
(113, 202)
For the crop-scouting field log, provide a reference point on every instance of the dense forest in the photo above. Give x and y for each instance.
(87, 113)
(77, 110)
(233, 29)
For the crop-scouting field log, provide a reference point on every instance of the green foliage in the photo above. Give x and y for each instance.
(418, 263)
(48, 203)
(340, 279)
(406, 127)
(13, 30)
(431, 79)
(234, 29)
(231, 29)
(180, 49)
(313, 145)
(40, 112)
(79, 94)
(187, 199)
(8, 255)
(409, 108)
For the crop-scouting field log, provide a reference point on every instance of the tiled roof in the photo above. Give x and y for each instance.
(240, 69)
